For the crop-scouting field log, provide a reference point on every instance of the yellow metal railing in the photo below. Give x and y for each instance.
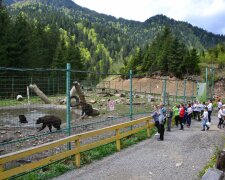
(144, 123)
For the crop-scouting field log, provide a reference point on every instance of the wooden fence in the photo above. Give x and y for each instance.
(137, 125)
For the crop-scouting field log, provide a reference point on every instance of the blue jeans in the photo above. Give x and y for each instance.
(189, 120)
(204, 124)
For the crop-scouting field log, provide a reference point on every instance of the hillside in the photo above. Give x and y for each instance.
(106, 41)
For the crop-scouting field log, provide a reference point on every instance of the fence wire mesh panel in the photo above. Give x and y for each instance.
(30, 94)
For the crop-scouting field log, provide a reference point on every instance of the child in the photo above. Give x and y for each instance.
(205, 119)
(169, 119)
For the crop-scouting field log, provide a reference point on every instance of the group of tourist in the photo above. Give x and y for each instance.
(183, 113)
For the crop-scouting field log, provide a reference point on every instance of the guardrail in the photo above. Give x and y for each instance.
(144, 123)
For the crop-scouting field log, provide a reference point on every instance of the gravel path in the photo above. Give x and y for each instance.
(180, 156)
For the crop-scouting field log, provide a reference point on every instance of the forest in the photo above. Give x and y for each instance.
(51, 33)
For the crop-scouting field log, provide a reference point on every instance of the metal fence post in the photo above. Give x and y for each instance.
(184, 91)
(149, 85)
(68, 102)
(192, 91)
(164, 92)
(206, 80)
(212, 83)
(176, 89)
(131, 98)
(12, 85)
(140, 87)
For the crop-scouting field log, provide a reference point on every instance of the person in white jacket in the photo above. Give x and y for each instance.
(221, 116)
(205, 119)
(210, 108)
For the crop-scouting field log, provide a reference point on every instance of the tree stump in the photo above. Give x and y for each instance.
(86, 108)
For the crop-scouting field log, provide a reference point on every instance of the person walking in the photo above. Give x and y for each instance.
(221, 116)
(169, 118)
(198, 111)
(219, 104)
(194, 109)
(181, 115)
(205, 119)
(176, 114)
(210, 108)
(189, 111)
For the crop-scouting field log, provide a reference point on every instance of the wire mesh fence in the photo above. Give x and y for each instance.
(118, 100)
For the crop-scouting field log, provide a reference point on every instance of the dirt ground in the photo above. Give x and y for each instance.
(151, 85)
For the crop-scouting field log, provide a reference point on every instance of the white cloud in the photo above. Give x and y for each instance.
(202, 13)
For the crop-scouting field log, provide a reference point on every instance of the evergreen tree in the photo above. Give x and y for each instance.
(4, 28)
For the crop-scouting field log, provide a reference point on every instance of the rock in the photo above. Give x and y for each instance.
(136, 96)
(2, 150)
(213, 174)
(3, 132)
(18, 132)
(220, 164)
(109, 117)
(24, 161)
(19, 97)
(122, 95)
(7, 139)
(92, 101)
(49, 140)
(117, 95)
(103, 100)
(179, 164)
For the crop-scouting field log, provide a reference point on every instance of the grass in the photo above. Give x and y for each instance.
(87, 157)
(211, 163)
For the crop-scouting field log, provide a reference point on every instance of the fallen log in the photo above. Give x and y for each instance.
(40, 94)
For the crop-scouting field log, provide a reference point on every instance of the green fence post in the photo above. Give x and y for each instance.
(184, 98)
(131, 98)
(206, 80)
(58, 83)
(192, 91)
(164, 92)
(48, 86)
(53, 85)
(140, 87)
(213, 73)
(68, 102)
(122, 86)
(150, 86)
(176, 89)
(12, 85)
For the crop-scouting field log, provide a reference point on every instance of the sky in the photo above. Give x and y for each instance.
(206, 14)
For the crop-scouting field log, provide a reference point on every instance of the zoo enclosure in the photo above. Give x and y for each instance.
(56, 85)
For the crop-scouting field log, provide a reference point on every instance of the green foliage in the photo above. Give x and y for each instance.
(215, 55)
(165, 54)
(103, 40)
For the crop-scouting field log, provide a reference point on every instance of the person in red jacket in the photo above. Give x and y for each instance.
(181, 115)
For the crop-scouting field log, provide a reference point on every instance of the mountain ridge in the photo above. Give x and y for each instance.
(109, 40)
